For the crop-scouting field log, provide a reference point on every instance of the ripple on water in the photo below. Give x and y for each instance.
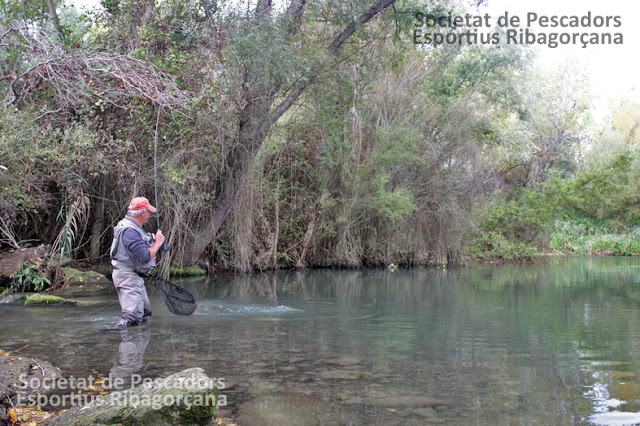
(238, 309)
(615, 418)
(105, 319)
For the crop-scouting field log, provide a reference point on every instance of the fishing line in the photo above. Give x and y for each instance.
(104, 308)
(155, 162)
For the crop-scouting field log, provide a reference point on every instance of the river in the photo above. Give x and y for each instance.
(556, 342)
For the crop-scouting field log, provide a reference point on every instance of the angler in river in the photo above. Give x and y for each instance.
(133, 256)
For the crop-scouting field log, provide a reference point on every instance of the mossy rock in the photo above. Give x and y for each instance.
(40, 299)
(85, 283)
(185, 398)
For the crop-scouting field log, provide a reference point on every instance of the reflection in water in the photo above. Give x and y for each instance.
(130, 357)
(553, 343)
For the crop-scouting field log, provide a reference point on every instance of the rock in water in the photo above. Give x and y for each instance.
(185, 398)
(88, 283)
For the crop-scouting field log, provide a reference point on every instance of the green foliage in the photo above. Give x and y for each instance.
(393, 205)
(75, 219)
(602, 192)
(592, 212)
(31, 11)
(395, 154)
(545, 134)
(28, 278)
(493, 245)
(591, 237)
(513, 229)
(492, 72)
(48, 170)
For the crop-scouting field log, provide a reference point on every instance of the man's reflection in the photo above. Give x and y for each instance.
(130, 357)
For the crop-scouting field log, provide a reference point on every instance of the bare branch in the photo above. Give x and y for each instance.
(6, 33)
(79, 77)
(6, 230)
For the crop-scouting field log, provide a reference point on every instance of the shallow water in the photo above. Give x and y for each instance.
(553, 343)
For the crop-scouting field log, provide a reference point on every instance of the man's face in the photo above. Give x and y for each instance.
(145, 216)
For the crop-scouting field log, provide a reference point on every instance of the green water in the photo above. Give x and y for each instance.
(552, 343)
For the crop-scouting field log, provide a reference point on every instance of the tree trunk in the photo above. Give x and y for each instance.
(305, 243)
(254, 123)
(147, 13)
(53, 15)
(139, 23)
(309, 234)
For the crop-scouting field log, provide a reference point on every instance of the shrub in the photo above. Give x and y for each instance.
(28, 278)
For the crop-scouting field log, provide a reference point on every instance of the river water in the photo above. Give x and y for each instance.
(552, 343)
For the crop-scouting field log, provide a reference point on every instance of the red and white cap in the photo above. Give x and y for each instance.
(140, 203)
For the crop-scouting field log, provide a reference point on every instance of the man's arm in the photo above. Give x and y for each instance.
(138, 247)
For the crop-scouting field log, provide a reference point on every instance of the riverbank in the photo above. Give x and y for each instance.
(587, 237)
(571, 236)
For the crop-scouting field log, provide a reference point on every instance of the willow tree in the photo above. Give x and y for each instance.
(276, 56)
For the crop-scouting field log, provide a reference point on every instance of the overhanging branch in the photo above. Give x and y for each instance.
(333, 48)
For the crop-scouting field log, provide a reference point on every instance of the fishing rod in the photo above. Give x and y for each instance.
(165, 245)
(177, 298)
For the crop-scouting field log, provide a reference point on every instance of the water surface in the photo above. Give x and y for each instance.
(553, 343)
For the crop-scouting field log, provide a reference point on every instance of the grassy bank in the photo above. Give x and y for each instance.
(584, 236)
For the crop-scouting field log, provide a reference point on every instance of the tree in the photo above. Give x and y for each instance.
(548, 131)
(266, 99)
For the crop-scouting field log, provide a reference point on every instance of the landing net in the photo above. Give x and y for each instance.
(178, 299)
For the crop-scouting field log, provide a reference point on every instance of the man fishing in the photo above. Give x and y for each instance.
(133, 255)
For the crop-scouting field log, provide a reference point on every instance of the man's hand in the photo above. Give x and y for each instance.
(153, 250)
(159, 237)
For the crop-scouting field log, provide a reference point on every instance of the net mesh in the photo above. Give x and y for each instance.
(178, 300)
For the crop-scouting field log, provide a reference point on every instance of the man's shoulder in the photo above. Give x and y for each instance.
(131, 234)
(127, 225)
